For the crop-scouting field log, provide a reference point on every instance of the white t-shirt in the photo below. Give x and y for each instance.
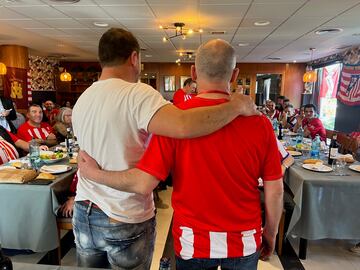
(110, 121)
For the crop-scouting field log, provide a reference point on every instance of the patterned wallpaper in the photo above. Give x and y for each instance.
(42, 72)
(349, 57)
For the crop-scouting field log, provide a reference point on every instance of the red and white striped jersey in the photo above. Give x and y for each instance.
(26, 132)
(7, 152)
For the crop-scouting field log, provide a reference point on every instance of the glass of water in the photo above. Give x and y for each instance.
(339, 166)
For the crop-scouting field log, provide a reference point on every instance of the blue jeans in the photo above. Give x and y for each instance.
(240, 263)
(102, 242)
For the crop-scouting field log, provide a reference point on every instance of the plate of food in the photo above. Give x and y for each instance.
(317, 167)
(294, 153)
(355, 168)
(55, 169)
(49, 157)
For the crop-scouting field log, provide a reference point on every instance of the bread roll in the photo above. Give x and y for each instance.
(312, 161)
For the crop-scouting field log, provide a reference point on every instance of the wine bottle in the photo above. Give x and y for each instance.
(333, 149)
(280, 135)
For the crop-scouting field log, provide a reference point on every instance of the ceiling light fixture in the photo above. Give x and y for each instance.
(261, 23)
(180, 31)
(101, 24)
(186, 56)
(243, 44)
(328, 31)
(274, 58)
(310, 75)
(66, 1)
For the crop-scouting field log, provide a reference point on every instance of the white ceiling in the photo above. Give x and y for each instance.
(50, 28)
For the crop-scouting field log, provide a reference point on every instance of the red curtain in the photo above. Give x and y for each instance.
(15, 86)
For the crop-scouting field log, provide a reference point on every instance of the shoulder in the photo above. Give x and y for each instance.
(24, 126)
(44, 125)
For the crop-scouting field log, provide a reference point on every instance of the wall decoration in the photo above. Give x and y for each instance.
(349, 89)
(169, 82)
(42, 72)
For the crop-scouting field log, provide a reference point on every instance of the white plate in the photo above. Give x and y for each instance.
(355, 168)
(292, 133)
(7, 167)
(50, 161)
(54, 169)
(317, 168)
(295, 153)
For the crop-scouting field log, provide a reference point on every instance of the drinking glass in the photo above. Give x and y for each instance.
(338, 166)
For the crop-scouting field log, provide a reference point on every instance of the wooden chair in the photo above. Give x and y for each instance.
(347, 145)
(62, 224)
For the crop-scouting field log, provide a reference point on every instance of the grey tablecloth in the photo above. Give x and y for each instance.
(28, 214)
(327, 206)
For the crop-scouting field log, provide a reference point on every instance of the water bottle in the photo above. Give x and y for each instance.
(5, 262)
(165, 264)
(315, 147)
(300, 135)
(34, 152)
(275, 125)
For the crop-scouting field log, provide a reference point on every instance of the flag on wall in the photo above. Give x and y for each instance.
(349, 89)
(15, 86)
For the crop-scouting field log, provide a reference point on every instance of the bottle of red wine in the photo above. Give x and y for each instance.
(280, 135)
(5, 262)
(333, 149)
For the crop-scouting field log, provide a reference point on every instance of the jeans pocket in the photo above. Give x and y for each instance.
(124, 242)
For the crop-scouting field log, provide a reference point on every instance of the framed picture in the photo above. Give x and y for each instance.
(182, 80)
(169, 83)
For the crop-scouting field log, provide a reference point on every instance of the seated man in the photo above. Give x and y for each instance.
(217, 215)
(311, 124)
(288, 117)
(50, 112)
(35, 128)
(271, 112)
(185, 93)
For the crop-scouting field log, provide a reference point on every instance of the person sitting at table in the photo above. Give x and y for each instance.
(63, 121)
(42, 132)
(299, 118)
(67, 208)
(288, 117)
(9, 143)
(50, 112)
(271, 112)
(311, 124)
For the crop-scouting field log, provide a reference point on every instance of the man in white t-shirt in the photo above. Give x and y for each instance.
(112, 120)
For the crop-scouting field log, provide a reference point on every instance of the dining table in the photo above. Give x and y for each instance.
(326, 204)
(28, 212)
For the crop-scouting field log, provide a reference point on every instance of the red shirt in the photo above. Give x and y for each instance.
(215, 198)
(26, 132)
(180, 96)
(315, 127)
(51, 115)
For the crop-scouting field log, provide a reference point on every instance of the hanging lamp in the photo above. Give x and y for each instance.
(310, 75)
(65, 76)
(2, 69)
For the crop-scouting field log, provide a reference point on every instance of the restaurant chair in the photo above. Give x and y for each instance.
(347, 145)
(62, 224)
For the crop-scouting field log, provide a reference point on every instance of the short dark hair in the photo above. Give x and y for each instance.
(115, 47)
(281, 97)
(34, 105)
(188, 81)
(310, 106)
(286, 100)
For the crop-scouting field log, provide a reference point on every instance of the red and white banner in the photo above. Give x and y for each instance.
(329, 82)
(15, 86)
(349, 90)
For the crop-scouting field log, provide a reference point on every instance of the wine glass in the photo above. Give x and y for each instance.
(338, 166)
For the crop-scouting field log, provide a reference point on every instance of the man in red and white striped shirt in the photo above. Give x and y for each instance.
(43, 133)
(217, 214)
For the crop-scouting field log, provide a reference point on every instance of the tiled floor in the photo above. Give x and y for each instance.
(321, 255)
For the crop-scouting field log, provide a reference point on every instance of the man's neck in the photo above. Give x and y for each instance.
(204, 86)
(33, 124)
(119, 72)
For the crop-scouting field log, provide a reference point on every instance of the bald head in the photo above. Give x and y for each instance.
(215, 60)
